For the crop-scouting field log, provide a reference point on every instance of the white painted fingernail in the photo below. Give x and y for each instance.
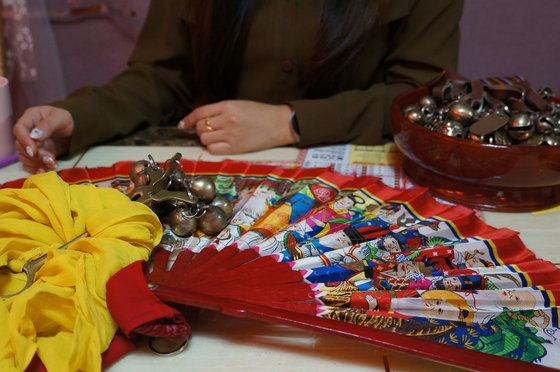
(36, 133)
(181, 124)
(50, 161)
(29, 151)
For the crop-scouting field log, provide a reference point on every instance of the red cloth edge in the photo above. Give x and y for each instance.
(132, 305)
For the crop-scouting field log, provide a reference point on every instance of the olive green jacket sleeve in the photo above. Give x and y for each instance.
(417, 40)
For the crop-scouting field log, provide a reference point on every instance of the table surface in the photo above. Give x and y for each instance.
(239, 344)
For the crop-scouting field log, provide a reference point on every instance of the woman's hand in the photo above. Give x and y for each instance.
(42, 134)
(241, 126)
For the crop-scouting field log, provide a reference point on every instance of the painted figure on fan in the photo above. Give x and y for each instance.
(384, 238)
(398, 236)
(307, 199)
(354, 271)
(469, 260)
(239, 224)
(292, 208)
(406, 269)
(480, 307)
(465, 306)
(382, 250)
(435, 260)
(260, 201)
(257, 205)
(242, 199)
(508, 336)
(124, 186)
(328, 218)
(449, 283)
(347, 237)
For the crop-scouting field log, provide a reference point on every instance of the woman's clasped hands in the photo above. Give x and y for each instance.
(227, 127)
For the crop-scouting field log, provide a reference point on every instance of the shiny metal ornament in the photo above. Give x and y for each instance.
(450, 128)
(213, 220)
(177, 181)
(141, 178)
(415, 116)
(137, 192)
(204, 188)
(502, 138)
(224, 204)
(535, 140)
(407, 108)
(546, 93)
(550, 140)
(476, 137)
(137, 167)
(181, 224)
(461, 112)
(427, 102)
(545, 124)
(520, 127)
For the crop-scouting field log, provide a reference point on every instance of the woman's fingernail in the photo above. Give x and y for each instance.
(50, 161)
(29, 151)
(36, 133)
(181, 125)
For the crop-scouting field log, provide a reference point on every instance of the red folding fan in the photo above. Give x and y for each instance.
(345, 256)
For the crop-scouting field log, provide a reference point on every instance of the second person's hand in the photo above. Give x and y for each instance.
(42, 134)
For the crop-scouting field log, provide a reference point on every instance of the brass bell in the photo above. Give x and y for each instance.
(501, 138)
(204, 188)
(213, 220)
(520, 127)
(137, 192)
(461, 112)
(450, 128)
(545, 124)
(141, 178)
(415, 116)
(427, 103)
(180, 223)
(408, 108)
(476, 137)
(534, 140)
(550, 140)
(177, 181)
(223, 203)
(137, 167)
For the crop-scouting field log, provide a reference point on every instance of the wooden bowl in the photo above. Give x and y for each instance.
(485, 176)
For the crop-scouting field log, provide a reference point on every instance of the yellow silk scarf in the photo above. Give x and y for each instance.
(63, 316)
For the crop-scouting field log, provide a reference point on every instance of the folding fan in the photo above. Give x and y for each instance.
(358, 259)
(354, 258)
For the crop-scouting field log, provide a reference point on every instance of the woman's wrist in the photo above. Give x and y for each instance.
(293, 126)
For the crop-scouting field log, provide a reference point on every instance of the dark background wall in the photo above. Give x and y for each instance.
(512, 37)
(95, 47)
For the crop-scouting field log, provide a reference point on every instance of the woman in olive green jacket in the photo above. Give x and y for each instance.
(255, 74)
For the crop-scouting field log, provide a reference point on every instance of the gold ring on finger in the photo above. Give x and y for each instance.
(207, 124)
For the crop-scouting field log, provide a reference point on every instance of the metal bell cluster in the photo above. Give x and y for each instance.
(186, 204)
(498, 126)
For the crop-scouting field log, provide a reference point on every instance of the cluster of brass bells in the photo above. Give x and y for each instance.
(184, 203)
(499, 126)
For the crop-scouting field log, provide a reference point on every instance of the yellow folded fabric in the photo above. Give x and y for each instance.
(63, 316)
